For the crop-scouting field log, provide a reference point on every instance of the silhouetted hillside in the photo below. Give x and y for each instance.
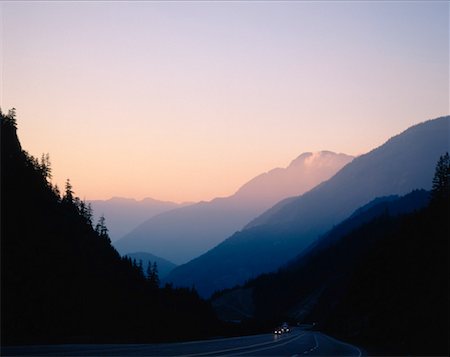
(62, 281)
(397, 299)
(379, 279)
(402, 164)
(303, 280)
(329, 262)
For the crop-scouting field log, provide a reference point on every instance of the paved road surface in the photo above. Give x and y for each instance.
(299, 342)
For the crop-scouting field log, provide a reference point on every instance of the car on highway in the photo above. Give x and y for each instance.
(284, 328)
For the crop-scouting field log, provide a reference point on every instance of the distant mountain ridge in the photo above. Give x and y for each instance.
(184, 233)
(404, 163)
(124, 214)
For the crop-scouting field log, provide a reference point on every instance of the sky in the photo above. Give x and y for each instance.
(186, 101)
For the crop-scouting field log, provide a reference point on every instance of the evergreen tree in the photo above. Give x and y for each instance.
(57, 192)
(12, 114)
(85, 212)
(102, 230)
(11, 117)
(149, 270)
(89, 214)
(441, 180)
(45, 167)
(82, 208)
(156, 274)
(153, 277)
(77, 203)
(68, 195)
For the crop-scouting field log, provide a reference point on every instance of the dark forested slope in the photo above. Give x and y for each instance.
(398, 298)
(62, 281)
(379, 279)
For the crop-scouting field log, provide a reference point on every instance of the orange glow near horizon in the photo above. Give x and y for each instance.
(188, 101)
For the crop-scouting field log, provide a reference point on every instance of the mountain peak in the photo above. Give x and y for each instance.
(318, 157)
(302, 174)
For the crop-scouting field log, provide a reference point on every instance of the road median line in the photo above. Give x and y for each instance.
(278, 343)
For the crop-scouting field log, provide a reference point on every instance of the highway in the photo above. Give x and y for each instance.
(299, 342)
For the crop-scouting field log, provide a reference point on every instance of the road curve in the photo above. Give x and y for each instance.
(299, 342)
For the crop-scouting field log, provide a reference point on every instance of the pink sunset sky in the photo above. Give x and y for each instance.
(186, 101)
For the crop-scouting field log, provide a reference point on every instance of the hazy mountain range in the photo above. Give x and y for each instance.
(405, 162)
(184, 233)
(124, 214)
